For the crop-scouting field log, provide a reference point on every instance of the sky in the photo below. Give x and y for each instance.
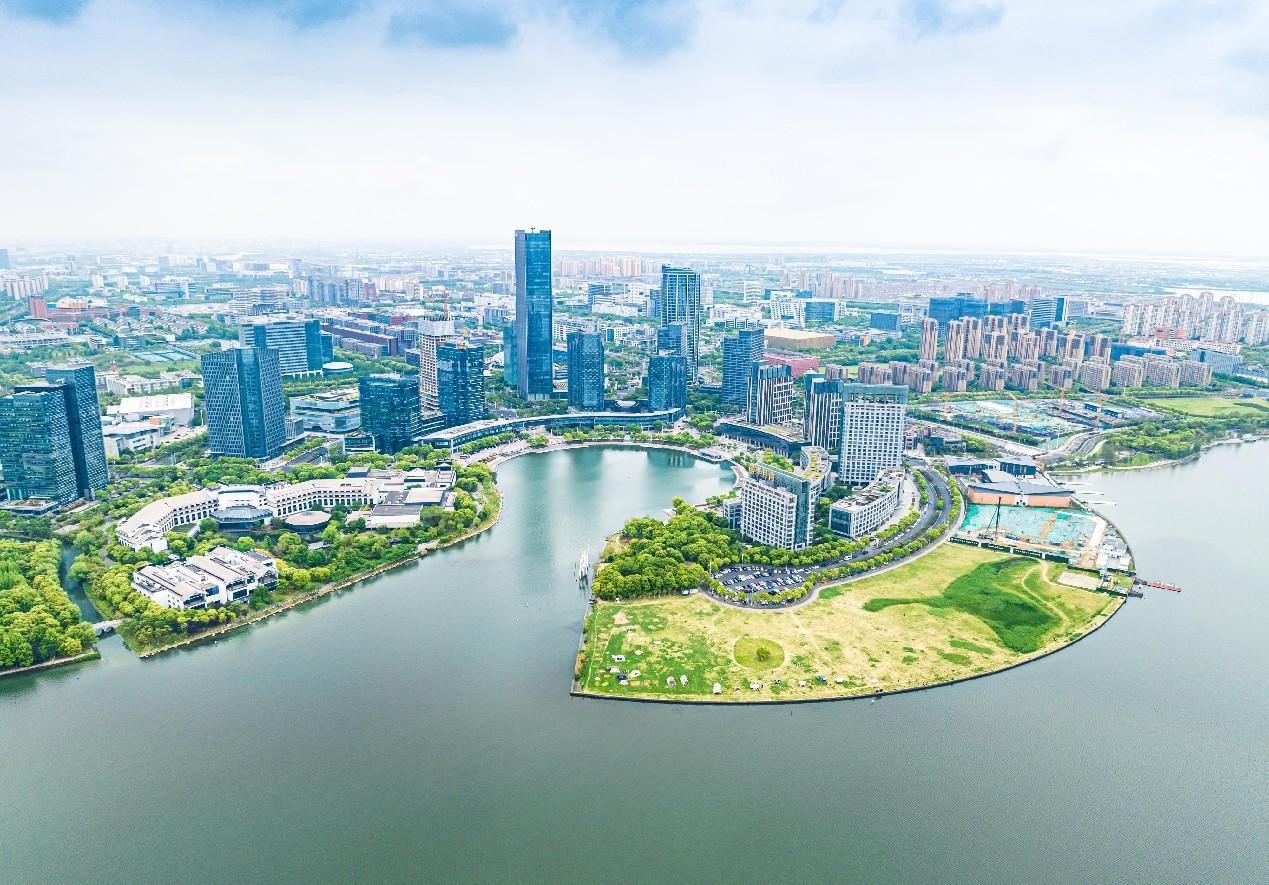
(1129, 126)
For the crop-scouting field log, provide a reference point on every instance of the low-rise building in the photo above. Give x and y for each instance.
(328, 411)
(130, 436)
(178, 407)
(222, 576)
(869, 508)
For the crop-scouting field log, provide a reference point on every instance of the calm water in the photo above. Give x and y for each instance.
(419, 727)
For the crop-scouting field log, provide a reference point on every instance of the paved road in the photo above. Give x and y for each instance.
(751, 578)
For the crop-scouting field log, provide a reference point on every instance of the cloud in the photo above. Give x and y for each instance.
(931, 18)
(58, 12)
(638, 28)
(301, 13)
(452, 24)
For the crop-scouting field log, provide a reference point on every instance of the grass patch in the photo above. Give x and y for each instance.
(1212, 406)
(1020, 622)
(758, 654)
(955, 658)
(970, 646)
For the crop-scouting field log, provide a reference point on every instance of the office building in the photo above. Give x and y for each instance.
(223, 576)
(680, 303)
(460, 378)
(667, 382)
(298, 342)
(770, 398)
(822, 421)
(35, 448)
(242, 392)
(929, 339)
(873, 417)
(672, 338)
(1046, 312)
(534, 292)
(885, 322)
(327, 411)
(586, 371)
(390, 410)
(83, 411)
(741, 351)
(509, 376)
(777, 506)
(432, 332)
(868, 509)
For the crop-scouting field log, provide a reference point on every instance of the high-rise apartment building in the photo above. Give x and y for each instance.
(954, 347)
(586, 371)
(297, 341)
(460, 379)
(741, 350)
(534, 306)
(432, 332)
(667, 382)
(680, 302)
(242, 392)
(929, 339)
(770, 394)
(50, 438)
(390, 410)
(873, 417)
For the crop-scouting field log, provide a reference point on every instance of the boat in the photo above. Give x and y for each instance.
(583, 566)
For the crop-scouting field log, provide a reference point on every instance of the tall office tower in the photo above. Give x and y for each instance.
(873, 418)
(672, 338)
(1045, 312)
(667, 382)
(83, 412)
(586, 371)
(770, 394)
(681, 303)
(298, 342)
(460, 379)
(930, 339)
(740, 351)
(242, 392)
(509, 356)
(973, 337)
(390, 410)
(432, 332)
(954, 347)
(534, 371)
(822, 423)
(35, 446)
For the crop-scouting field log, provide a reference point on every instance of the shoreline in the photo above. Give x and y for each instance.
(91, 655)
(1171, 462)
(721, 701)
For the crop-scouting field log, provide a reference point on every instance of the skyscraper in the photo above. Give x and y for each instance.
(431, 333)
(667, 381)
(929, 339)
(509, 355)
(672, 338)
(390, 410)
(460, 380)
(242, 391)
(822, 423)
(955, 345)
(83, 413)
(740, 351)
(298, 342)
(873, 418)
(35, 445)
(586, 371)
(680, 302)
(534, 371)
(770, 394)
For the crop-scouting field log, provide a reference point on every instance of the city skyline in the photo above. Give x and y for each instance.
(1146, 140)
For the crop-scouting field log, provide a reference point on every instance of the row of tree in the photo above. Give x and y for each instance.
(38, 621)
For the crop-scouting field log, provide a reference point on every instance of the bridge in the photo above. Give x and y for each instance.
(101, 628)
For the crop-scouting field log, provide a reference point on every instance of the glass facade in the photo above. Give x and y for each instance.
(534, 374)
(586, 371)
(460, 378)
(740, 351)
(390, 410)
(242, 392)
(509, 376)
(667, 382)
(680, 302)
(35, 446)
(83, 415)
(298, 342)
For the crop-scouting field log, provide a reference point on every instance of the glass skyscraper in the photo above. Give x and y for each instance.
(390, 410)
(297, 341)
(586, 371)
(680, 302)
(460, 380)
(83, 414)
(35, 447)
(740, 351)
(534, 372)
(509, 356)
(242, 392)
(667, 382)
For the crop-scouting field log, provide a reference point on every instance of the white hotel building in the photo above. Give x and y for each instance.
(873, 417)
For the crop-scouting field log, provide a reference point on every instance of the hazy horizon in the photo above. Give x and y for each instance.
(1136, 129)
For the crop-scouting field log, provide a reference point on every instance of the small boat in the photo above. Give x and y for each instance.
(583, 566)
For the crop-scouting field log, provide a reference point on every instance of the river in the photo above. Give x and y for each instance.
(419, 727)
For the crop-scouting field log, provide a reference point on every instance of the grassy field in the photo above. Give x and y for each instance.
(1212, 406)
(957, 612)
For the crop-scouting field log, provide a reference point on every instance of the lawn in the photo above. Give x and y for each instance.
(1212, 406)
(956, 612)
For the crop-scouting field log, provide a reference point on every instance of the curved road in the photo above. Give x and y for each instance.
(751, 578)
